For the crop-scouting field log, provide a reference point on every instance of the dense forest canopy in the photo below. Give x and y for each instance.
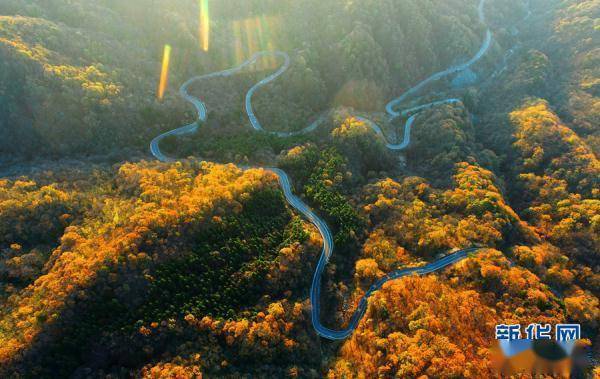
(115, 265)
(98, 61)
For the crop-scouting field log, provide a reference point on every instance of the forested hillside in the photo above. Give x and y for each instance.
(128, 257)
(80, 77)
(201, 268)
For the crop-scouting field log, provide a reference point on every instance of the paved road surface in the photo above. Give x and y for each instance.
(303, 208)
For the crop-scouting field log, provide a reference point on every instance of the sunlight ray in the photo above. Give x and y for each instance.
(164, 74)
(204, 27)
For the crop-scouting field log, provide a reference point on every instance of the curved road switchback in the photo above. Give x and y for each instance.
(510, 52)
(286, 185)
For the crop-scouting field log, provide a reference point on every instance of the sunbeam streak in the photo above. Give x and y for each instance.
(204, 27)
(164, 73)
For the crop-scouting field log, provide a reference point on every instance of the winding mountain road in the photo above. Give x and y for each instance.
(285, 182)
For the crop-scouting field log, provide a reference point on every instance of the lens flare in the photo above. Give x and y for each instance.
(252, 35)
(239, 51)
(164, 73)
(204, 25)
(268, 26)
(249, 29)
